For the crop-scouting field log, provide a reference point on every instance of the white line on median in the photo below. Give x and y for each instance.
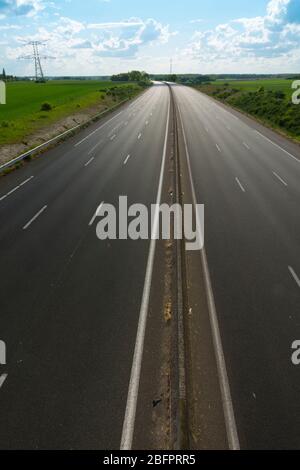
(240, 185)
(131, 406)
(96, 214)
(16, 188)
(34, 218)
(296, 278)
(232, 434)
(279, 178)
(278, 146)
(126, 159)
(2, 379)
(90, 161)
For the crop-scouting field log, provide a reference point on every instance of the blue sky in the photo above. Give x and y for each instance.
(100, 37)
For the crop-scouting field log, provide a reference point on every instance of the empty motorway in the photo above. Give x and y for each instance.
(71, 306)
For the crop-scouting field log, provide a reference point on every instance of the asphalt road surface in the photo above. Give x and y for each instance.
(248, 178)
(69, 305)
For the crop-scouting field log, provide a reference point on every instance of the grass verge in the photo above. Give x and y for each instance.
(269, 101)
(32, 107)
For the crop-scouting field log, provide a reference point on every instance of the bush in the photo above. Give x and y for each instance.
(46, 107)
(279, 95)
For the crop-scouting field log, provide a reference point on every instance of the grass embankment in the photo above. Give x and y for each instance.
(34, 106)
(270, 101)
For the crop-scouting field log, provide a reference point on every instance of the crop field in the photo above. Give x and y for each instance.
(32, 106)
(254, 85)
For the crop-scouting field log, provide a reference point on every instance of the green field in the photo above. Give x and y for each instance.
(22, 114)
(269, 101)
(253, 85)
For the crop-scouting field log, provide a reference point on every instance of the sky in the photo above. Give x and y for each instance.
(102, 37)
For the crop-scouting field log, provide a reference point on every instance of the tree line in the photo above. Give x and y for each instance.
(133, 76)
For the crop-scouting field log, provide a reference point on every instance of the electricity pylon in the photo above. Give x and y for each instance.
(39, 74)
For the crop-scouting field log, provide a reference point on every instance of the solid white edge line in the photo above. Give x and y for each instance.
(98, 129)
(96, 214)
(279, 178)
(130, 413)
(230, 422)
(296, 278)
(34, 217)
(3, 377)
(240, 185)
(278, 146)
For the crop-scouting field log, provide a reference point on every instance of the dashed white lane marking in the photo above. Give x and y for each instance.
(2, 379)
(279, 178)
(126, 159)
(246, 145)
(113, 137)
(90, 161)
(16, 188)
(97, 130)
(139, 136)
(206, 130)
(240, 185)
(95, 147)
(296, 278)
(96, 214)
(126, 123)
(147, 122)
(35, 217)
(278, 146)
(218, 147)
(228, 128)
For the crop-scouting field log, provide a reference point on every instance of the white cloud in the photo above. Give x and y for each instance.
(20, 7)
(270, 38)
(87, 48)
